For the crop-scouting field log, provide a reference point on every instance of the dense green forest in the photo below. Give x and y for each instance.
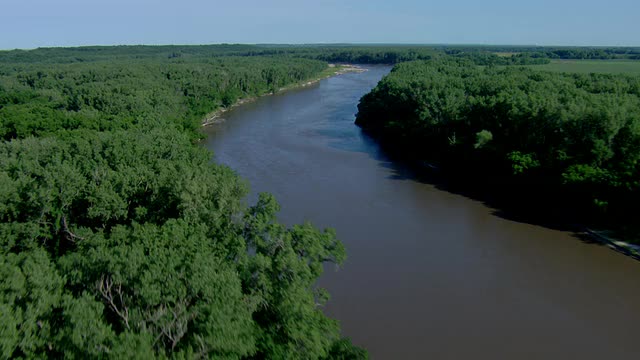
(548, 52)
(118, 236)
(40, 99)
(363, 54)
(549, 140)
(336, 53)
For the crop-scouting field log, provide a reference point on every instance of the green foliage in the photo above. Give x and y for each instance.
(483, 138)
(31, 288)
(40, 100)
(155, 247)
(344, 350)
(522, 162)
(631, 67)
(118, 236)
(560, 133)
(186, 54)
(547, 52)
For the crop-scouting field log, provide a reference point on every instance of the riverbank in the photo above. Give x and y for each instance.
(331, 70)
(494, 193)
(606, 238)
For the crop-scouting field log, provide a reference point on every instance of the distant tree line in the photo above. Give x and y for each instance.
(347, 53)
(485, 58)
(551, 52)
(589, 53)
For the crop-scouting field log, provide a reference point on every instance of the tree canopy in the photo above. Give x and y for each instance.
(572, 138)
(119, 238)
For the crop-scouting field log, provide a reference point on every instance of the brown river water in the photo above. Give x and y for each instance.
(430, 274)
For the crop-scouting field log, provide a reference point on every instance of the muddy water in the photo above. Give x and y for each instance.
(430, 274)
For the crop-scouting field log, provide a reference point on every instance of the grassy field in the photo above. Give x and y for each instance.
(592, 66)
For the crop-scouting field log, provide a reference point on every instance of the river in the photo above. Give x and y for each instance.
(430, 273)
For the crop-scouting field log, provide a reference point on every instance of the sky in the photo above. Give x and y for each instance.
(28, 24)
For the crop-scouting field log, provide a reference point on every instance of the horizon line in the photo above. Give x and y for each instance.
(322, 44)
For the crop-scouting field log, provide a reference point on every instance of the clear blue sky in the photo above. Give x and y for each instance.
(34, 23)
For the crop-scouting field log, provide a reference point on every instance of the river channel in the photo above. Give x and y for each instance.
(430, 274)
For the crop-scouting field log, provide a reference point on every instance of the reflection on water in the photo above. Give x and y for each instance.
(430, 273)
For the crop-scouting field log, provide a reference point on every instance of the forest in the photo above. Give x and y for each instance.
(118, 236)
(563, 141)
(346, 53)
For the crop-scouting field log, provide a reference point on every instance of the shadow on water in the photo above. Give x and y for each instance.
(500, 201)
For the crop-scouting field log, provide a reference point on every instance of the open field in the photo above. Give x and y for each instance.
(592, 66)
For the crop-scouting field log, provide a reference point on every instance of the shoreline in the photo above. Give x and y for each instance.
(215, 116)
(426, 171)
(623, 247)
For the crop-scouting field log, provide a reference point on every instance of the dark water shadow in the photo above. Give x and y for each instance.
(500, 203)
(587, 238)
